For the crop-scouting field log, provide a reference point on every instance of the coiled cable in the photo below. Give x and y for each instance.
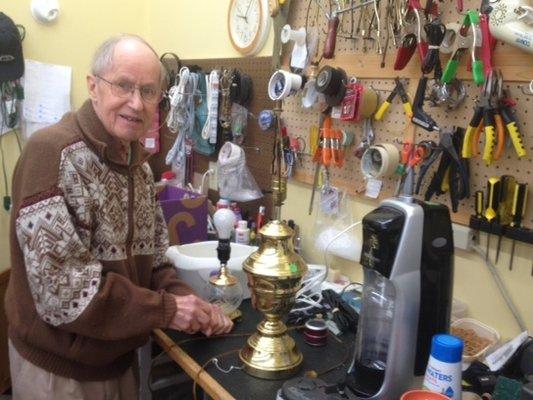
(435, 31)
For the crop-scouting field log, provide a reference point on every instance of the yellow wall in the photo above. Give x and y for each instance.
(200, 32)
(194, 29)
(71, 40)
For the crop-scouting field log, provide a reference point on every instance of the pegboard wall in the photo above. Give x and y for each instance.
(517, 69)
(257, 144)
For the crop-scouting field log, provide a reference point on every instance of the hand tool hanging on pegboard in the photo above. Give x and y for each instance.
(452, 174)
(414, 36)
(494, 117)
(421, 117)
(460, 39)
(508, 184)
(317, 156)
(399, 89)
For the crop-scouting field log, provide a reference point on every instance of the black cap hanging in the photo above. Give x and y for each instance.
(11, 59)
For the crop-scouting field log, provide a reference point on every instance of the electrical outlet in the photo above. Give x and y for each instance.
(463, 236)
(213, 178)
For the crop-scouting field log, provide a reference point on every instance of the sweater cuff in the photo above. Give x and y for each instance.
(169, 309)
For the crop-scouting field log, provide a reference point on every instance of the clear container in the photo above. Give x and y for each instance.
(374, 332)
(488, 335)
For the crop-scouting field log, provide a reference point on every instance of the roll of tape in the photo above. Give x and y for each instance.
(266, 120)
(348, 137)
(283, 84)
(332, 83)
(380, 160)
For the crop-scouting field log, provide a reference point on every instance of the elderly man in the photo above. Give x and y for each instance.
(89, 278)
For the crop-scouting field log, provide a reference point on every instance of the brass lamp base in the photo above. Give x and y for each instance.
(271, 353)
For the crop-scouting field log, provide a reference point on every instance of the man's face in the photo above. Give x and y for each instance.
(126, 118)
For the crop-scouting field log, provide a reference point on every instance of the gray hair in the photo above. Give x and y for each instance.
(102, 60)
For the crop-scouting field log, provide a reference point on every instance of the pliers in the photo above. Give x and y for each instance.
(509, 120)
(398, 89)
(498, 121)
(467, 37)
(452, 173)
(483, 114)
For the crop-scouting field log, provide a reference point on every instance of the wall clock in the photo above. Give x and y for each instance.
(248, 25)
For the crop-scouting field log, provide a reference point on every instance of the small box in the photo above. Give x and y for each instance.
(185, 213)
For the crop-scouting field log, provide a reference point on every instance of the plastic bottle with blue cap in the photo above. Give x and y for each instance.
(443, 372)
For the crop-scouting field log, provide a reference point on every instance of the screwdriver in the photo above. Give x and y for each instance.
(517, 212)
(508, 183)
(478, 207)
(493, 199)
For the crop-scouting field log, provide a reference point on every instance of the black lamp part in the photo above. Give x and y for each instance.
(223, 250)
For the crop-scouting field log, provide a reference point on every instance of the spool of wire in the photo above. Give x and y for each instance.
(266, 120)
(316, 332)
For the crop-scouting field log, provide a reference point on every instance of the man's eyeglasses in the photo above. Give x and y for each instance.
(149, 94)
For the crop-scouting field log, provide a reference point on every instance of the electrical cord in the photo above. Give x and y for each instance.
(181, 115)
(209, 131)
(338, 235)
(501, 286)
(342, 313)
(435, 31)
(204, 365)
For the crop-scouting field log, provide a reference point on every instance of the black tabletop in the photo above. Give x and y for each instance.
(333, 358)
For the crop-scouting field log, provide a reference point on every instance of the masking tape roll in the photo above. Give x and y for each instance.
(348, 137)
(380, 160)
(369, 103)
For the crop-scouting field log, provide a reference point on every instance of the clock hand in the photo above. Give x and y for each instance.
(248, 9)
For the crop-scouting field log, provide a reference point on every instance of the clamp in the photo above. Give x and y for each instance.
(420, 117)
(467, 37)
(414, 36)
(398, 89)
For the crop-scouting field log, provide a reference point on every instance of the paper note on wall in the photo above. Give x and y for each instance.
(46, 94)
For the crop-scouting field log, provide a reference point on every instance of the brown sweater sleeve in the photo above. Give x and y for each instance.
(53, 229)
(164, 275)
(67, 284)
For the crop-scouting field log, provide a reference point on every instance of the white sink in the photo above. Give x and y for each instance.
(196, 261)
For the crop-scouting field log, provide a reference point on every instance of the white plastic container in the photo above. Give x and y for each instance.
(242, 233)
(482, 331)
(443, 372)
(196, 261)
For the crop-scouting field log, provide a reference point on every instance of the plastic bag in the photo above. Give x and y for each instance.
(333, 217)
(235, 182)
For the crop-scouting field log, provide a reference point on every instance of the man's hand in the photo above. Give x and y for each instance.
(196, 315)
(220, 323)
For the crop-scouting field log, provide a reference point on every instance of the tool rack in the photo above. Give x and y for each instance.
(517, 69)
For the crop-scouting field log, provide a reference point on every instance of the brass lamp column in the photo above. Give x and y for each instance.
(274, 273)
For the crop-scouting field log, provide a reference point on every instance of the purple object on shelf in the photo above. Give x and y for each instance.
(185, 213)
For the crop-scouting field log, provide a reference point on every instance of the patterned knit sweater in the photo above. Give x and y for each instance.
(89, 279)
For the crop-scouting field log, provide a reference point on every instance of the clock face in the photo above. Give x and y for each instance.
(248, 25)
